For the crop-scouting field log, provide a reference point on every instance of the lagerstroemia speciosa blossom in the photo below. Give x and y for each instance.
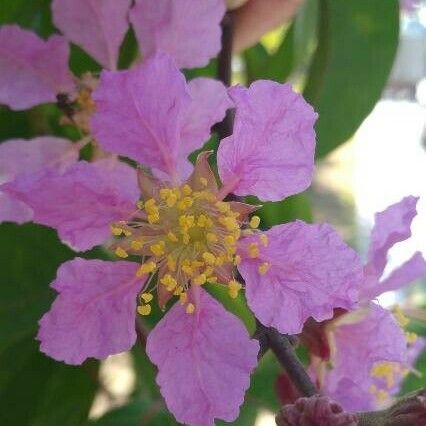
(34, 71)
(175, 221)
(371, 353)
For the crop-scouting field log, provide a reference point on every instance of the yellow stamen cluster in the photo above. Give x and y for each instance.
(390, 373)
(185, 237)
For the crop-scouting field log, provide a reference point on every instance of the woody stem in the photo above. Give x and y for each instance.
(283, 350)
(224, 71)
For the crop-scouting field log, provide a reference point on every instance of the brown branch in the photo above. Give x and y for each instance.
(224, 71)
(282, 348)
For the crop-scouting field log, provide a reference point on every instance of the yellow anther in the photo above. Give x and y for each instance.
(146, 297)
(233, 288)
(171, 263)
(203, 181)
(246, 232)
(254, 222)
(153, 218)
(178, 290)
(171, 199)
(200, 279)
(382, 396)
(229, 222)
(210, 258)
(140, 205)
(229, 240)
(411, 337)
(212, 280)
(120, 252)
(144, 310)
(183, 297)
(402, 320)
(136, 244)
(146, 268)
(264, 240)
(149, 204)
(186, 189)
(223, 207)
(188, 270)
(169, 282)
(237, 259)
(263, 268)
(186, 222)
(172, 237)
(208, 271)
(253, 250)
(202, 220)
(185, 203)
(190, 308)
(186, 238)
(116, 231)
(157, 249)
(220, 260)
(164, 193)
(197, 264)
(211, 238)
(386, 370)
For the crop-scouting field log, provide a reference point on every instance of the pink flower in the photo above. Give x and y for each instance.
(186, 234)
(35, 71)
(370, 356)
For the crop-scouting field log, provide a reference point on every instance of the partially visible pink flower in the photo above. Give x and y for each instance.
(185, 233)
(370, 355)
(188, 30)
(98, 26)
(391, 226)
(20, 158)
(360, 341)
(32, 71)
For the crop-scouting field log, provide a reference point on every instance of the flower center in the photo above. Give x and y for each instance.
(184, 238)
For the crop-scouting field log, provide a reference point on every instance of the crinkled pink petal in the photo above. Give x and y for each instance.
(94, 312)
(311, 272)
(189, 30)
(19, 156)
(391, 226)
(149, 102)
(98, 26)
(12, 210)
(409, 271)
(271, 152)
(374, 338)
(209, 103)
(32, 70)
(82, 202)
(204, 362)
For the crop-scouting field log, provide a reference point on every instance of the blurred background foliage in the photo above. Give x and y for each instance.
(338, 53)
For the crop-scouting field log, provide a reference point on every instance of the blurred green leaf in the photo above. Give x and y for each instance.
(137, 413)
(35, 390)
(415, 381)
(277, 66)
(34, 14)
(357, 42)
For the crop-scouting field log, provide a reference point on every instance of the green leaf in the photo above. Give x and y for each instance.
(137, 413)
(415, 381)
(357, 42)
(35, 390)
